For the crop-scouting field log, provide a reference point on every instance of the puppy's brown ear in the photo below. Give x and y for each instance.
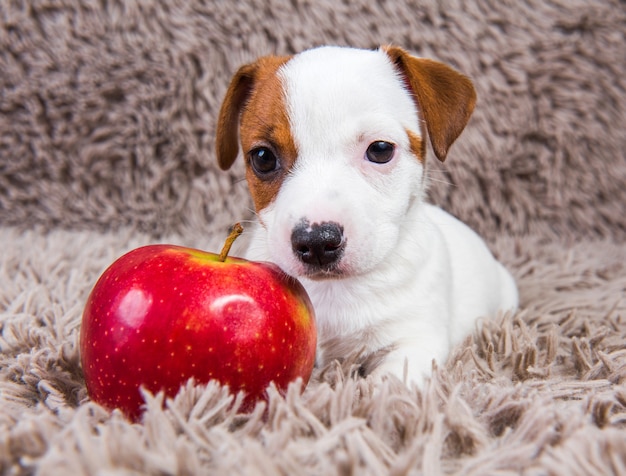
(445, 97)
(227, 136)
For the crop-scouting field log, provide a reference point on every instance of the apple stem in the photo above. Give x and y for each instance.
(234, 233)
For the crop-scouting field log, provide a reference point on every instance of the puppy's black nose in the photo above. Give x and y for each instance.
(320, 245)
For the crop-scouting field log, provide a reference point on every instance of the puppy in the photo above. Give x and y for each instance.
(334, 141)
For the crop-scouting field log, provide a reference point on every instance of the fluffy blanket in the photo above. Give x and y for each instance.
(107, 117)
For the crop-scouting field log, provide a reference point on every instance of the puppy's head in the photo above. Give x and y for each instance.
(334, 141)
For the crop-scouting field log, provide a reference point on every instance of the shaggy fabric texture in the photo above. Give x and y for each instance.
(107, 117)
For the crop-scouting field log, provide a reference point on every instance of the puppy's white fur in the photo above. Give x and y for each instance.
(412, 278)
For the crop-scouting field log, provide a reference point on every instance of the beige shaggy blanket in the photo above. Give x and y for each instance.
(107, 120)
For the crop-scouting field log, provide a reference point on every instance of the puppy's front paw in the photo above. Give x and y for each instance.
(410, 370)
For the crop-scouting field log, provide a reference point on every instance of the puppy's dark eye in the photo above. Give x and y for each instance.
(263, 161)
(380, 152)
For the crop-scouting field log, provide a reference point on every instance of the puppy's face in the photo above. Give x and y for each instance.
(335, 150)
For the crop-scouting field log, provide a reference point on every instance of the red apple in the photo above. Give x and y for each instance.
(162, 314)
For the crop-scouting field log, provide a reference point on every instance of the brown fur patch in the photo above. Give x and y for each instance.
(264, 122)
(445, 97)
(254, 110)
(418, 146)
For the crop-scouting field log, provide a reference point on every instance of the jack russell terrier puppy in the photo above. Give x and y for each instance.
(334, 141)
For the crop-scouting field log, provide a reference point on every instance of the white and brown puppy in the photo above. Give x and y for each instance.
(334, 141)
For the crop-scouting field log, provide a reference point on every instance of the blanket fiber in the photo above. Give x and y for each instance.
(107, 121)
